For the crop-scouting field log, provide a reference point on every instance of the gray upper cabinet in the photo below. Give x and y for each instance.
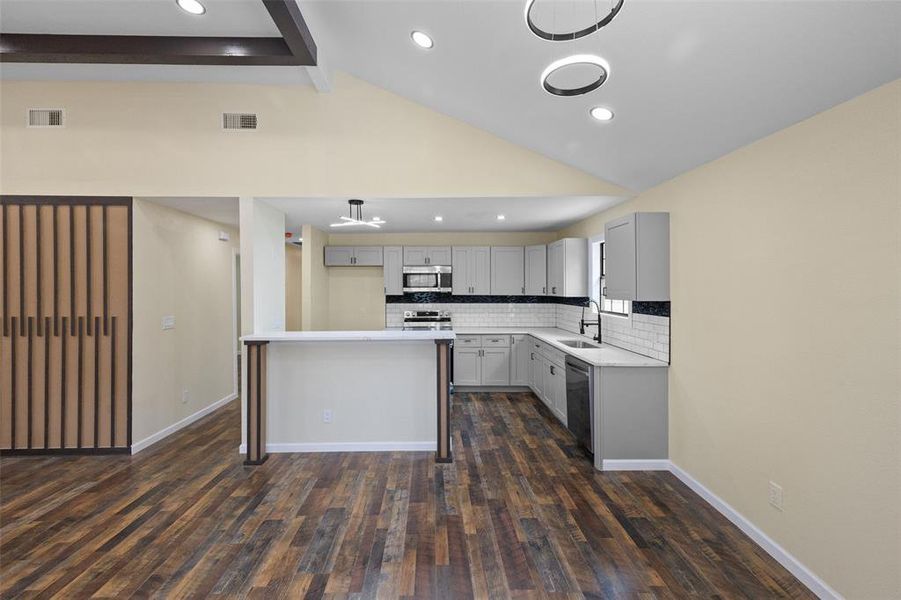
(536, 270)
(368, 256)
(567, 267)
(636, 249)
(394, 270)
(427, 255)
(471, 270)
(353, 256)
(339, 256)
(507, 271)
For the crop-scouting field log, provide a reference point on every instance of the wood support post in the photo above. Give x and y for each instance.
(255, 399)
(443, 454)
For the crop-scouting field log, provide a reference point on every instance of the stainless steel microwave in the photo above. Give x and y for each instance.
(430, 278)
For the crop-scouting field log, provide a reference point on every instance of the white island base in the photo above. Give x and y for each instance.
(347, 392)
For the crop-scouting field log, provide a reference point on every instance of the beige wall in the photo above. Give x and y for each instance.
(315, 281)
(165, 139)
(293, 300)
(182, 269)
(785, 350)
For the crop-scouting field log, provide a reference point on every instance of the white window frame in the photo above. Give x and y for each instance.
(594, 283)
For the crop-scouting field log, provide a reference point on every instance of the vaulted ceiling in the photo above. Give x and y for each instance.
(689, 81)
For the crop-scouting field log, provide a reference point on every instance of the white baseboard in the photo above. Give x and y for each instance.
(636, 465)
(792, 564)
(164, 433)
(350, 447)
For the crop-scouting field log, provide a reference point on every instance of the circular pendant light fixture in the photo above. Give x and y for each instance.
(568, 36)
(590, 60)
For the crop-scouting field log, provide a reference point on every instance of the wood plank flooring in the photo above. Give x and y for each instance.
(520, 513)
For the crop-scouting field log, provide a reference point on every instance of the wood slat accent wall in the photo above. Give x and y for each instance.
(65, 303)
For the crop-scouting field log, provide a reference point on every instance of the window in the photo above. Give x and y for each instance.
(598, 269)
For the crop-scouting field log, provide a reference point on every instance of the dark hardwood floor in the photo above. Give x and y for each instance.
(520, 513)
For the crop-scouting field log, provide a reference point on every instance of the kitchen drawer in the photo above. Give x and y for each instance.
(495, 341)
(468, 341)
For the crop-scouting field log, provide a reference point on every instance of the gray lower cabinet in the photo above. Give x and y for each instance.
(394, 270)
(507, 271)
(536, 270)
(482, 360)
(467, 366)
(636, 252)
(520, 360)
(495, 366)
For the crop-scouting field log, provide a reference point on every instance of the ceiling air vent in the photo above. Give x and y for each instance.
(45, 117)
(239, 121)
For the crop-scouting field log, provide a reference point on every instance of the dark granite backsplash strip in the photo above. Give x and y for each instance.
(436, 298)
(657, 309)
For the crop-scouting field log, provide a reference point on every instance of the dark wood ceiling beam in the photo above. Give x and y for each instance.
(286, 16)
(151, 50)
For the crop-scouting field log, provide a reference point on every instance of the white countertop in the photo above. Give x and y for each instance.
(603, 356)
(384, 335)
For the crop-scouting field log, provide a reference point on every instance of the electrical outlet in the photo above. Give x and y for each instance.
(167, 322)
(776, 495)
(326, 416)
(185, 396)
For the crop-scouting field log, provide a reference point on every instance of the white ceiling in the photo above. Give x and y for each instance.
(413, 214)
(690, 81)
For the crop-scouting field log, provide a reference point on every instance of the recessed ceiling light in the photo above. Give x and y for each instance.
(423, 40)
(192, 6)
(501, 217)
(439, 218)
(601, 114)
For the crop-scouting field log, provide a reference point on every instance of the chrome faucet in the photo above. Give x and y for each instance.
(583, 323)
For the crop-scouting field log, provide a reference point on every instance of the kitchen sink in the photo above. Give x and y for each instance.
(578, 344)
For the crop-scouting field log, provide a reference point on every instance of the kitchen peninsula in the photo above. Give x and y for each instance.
(328, 391)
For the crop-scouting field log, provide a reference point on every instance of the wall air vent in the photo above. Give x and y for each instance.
(45, 117)
(239, 121)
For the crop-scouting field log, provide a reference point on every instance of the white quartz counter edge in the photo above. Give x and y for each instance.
(385, 335)
(605, 356)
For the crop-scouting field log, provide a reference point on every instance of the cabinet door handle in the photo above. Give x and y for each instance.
(552, 369)
(523, 290)
(554, 290)
(533, 355)
(544, 290)
(604, 291)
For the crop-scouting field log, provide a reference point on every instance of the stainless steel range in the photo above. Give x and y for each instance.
(427, 319)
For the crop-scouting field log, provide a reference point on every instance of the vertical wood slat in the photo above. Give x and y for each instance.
(65, 352)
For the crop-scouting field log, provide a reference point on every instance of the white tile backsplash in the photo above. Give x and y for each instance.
(647, 335)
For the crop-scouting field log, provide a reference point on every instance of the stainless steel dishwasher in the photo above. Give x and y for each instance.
(579, 401)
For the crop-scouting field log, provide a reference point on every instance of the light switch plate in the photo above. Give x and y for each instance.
(168, 322)
(776, 495)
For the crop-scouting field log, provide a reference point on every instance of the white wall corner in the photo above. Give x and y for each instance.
(780, 554)
(166, 432)
(320, 75)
